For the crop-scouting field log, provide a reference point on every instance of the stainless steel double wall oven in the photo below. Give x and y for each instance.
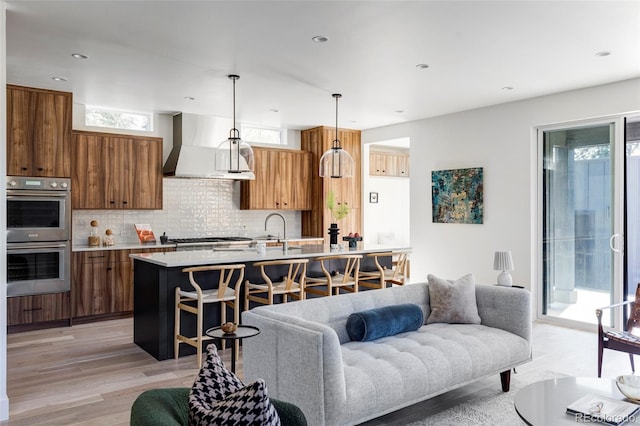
(38, 235)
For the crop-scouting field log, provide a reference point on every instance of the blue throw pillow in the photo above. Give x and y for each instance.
(373, 324)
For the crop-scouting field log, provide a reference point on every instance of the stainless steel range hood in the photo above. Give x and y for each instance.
(195, 141)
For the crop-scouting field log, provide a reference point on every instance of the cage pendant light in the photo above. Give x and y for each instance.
(233, 155)
(336, 162)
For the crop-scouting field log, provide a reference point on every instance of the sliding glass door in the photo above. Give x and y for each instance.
(581, 219)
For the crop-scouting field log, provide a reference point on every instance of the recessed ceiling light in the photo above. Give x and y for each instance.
(319, 39)
(79, 56)
(274, 110)
(59, 79)
(422, 66)
(603, 53)
(189, 98)
(399, 111)
(507, 88)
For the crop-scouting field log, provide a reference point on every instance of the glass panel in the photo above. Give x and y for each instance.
(33, 214)
(632, 205)
(577, 222)
(33, 266)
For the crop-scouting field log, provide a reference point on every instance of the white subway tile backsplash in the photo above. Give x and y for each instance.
(192, 208)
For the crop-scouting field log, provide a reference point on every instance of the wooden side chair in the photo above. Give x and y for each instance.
(227, 294)
(290, 285)
(624, 341)
(381, 275)
(332, 281)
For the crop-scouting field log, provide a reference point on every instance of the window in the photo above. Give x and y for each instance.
(128, 120)
(263, 135)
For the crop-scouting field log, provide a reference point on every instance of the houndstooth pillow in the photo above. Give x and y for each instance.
(218, 397)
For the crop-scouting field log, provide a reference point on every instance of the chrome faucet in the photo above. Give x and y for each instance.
(285, 244)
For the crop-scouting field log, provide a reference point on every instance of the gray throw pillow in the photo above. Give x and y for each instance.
(453, 302)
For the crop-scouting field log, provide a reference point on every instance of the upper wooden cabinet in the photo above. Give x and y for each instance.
(113, 171)
(38, 132)
(283, 181)
(382, 163)
(347, 190)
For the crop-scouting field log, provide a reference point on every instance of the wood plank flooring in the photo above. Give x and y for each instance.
(90, 374)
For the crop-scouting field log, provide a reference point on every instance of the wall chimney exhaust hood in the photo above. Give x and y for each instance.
(195, 142)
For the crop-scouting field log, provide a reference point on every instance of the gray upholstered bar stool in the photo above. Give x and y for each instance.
(227, 293)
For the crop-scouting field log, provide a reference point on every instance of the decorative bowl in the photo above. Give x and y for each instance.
(629, 386)
(229, 327)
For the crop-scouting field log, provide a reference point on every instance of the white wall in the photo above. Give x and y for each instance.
(500, 139)
(391, 214)
(4, 400)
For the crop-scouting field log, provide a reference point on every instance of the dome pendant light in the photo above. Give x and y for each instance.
(234, 155)
(336, 162)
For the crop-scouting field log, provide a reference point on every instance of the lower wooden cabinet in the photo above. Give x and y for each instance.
(102, 283)
(39, 308)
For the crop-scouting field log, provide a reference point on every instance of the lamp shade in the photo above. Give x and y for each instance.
(233, 155)
(502, 261)
(336, 163)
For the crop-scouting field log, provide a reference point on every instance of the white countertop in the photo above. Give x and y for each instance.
(136, 246)
(210, 257)
(122, 246)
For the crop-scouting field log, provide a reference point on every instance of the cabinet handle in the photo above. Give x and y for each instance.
(40, 169)
(109, 269)
(112, 202)
(24, 168)
(31, 309)
(124, 202)
(96, 257)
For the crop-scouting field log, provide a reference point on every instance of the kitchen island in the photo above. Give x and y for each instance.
(156, 275)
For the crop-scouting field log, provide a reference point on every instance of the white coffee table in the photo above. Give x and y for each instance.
(545, 402)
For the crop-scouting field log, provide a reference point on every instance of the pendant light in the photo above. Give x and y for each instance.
(336, 162)
(233, 155)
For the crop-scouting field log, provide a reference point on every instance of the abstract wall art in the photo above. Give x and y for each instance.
(456, 196)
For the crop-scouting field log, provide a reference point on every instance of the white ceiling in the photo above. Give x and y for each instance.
(149, 55)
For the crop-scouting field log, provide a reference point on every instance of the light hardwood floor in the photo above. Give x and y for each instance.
(90, 374)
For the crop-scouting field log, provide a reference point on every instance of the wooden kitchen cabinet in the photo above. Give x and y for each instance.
(283, 179)
(38, 132)
(112, 171)
(102, 283)
(394, 164)
(41, 308)
(316, 222)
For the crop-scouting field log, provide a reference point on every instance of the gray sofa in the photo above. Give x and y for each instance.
(306, 357)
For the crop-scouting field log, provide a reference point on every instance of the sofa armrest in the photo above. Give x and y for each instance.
(508, 308)
(300, 360)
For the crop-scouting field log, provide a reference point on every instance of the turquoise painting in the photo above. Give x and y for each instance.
(456, 196)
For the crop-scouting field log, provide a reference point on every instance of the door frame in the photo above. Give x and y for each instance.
(618, 214)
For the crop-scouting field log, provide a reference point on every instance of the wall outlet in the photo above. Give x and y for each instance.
(124, 233)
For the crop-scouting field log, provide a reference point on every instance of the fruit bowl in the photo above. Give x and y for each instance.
(629, 386)
(353, 241)
(229, 327)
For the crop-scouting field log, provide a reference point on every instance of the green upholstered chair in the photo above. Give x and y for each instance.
(170, 406)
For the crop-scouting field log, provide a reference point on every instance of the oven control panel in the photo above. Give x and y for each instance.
(38, 183)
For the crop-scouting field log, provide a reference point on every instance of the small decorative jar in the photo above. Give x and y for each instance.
(109, 239)
(94, 234)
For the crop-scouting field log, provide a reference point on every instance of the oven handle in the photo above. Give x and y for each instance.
(28, 246)
(28, 193)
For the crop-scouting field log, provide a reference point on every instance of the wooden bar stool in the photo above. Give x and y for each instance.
(381, 276)
(290, 285)
(194, 301)
(333, 281)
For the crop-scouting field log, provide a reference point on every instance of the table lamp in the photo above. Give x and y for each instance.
(502, 261)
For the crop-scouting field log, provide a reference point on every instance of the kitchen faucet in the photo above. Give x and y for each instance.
(285, 244)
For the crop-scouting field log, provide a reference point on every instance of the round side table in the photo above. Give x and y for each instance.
(242, 332)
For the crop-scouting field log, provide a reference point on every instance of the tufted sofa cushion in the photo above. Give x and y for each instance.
(436, 357)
